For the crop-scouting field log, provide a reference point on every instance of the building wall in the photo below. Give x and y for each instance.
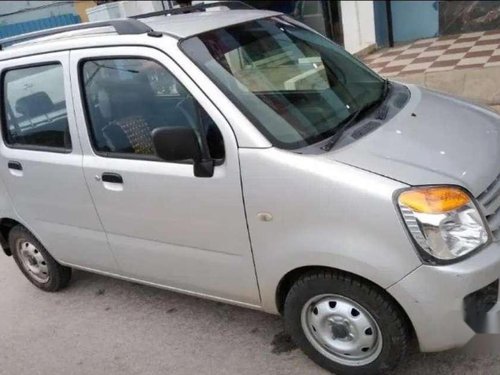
(414, 20)
(81, 9)
(381, 25)
(358, 20)
(20, 17)
(12, 12)
(466, 16)
(120, 9)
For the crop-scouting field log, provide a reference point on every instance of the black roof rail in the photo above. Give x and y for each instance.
(121, 26)
(232, 5)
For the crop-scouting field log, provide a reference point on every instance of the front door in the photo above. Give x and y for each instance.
(41, 161)
(165, 226)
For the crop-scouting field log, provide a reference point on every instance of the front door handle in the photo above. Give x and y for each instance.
(15, 165)
(112, 177)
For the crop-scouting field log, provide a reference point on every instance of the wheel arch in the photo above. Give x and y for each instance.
(6, 224)
(292, 276)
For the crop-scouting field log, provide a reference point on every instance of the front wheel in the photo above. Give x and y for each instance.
(345, 324)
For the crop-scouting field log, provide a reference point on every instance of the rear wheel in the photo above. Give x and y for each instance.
(345, 324)
(36, 263)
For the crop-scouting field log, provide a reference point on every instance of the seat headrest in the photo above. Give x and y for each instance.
(35, 104)
(121, 99)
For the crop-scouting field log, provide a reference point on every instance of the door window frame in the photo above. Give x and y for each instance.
(3, 112)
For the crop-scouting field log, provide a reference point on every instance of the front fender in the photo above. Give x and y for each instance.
(324, 213)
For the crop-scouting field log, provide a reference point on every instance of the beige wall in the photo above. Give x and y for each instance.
(81, 7)
(358, 22)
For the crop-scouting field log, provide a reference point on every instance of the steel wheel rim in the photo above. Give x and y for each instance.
(33, 261)
(341, 329)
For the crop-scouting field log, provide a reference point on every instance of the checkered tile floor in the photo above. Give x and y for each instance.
(471, 50)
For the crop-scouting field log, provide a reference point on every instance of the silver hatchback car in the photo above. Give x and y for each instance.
(238, 155)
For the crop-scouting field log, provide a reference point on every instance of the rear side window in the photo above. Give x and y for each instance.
(34, 108)
(127, 98)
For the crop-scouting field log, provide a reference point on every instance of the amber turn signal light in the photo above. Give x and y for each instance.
(434, 200)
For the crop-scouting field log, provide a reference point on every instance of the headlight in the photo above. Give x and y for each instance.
(443, 221)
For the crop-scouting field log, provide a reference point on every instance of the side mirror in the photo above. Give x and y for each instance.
(181, 143)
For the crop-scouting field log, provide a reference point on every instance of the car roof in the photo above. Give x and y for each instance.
(175, 26)
(186, 25)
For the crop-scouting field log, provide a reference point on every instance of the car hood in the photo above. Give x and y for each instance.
(434, 139)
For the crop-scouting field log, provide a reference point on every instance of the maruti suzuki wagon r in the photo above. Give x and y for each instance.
(240, 156)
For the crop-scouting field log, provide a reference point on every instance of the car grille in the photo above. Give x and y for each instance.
(490, 200)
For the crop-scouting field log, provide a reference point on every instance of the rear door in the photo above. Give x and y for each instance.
(41, 161)
(165, 226)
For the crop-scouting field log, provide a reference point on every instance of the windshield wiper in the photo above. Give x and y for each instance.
(341, 128)
(349, 120)
(382, 112)
(385, 91)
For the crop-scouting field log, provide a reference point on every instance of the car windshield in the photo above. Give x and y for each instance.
(296, 86)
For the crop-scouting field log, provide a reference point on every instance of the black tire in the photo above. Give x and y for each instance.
(393, 326)
(57, 276)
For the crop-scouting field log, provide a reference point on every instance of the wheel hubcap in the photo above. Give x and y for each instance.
(341, 329)
(33, 261)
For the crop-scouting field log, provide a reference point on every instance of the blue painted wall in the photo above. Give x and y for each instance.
(381, 30)
(410, 20)
(40, 24)
(414, 20)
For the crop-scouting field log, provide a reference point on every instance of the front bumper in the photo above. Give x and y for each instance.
(433, 298)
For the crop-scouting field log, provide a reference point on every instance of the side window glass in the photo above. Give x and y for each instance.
(34, 107)
(127, 98)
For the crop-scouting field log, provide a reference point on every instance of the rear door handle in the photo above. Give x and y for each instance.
(15, 165)
(112, 177)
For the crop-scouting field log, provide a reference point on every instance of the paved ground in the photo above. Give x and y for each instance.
(450, 52)
(104, 326)
(466, 65)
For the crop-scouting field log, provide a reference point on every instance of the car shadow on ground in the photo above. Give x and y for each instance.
(481, 355)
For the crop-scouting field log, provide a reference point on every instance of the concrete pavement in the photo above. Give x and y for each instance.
(480, 85)
(464, 65)
(104, 326)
